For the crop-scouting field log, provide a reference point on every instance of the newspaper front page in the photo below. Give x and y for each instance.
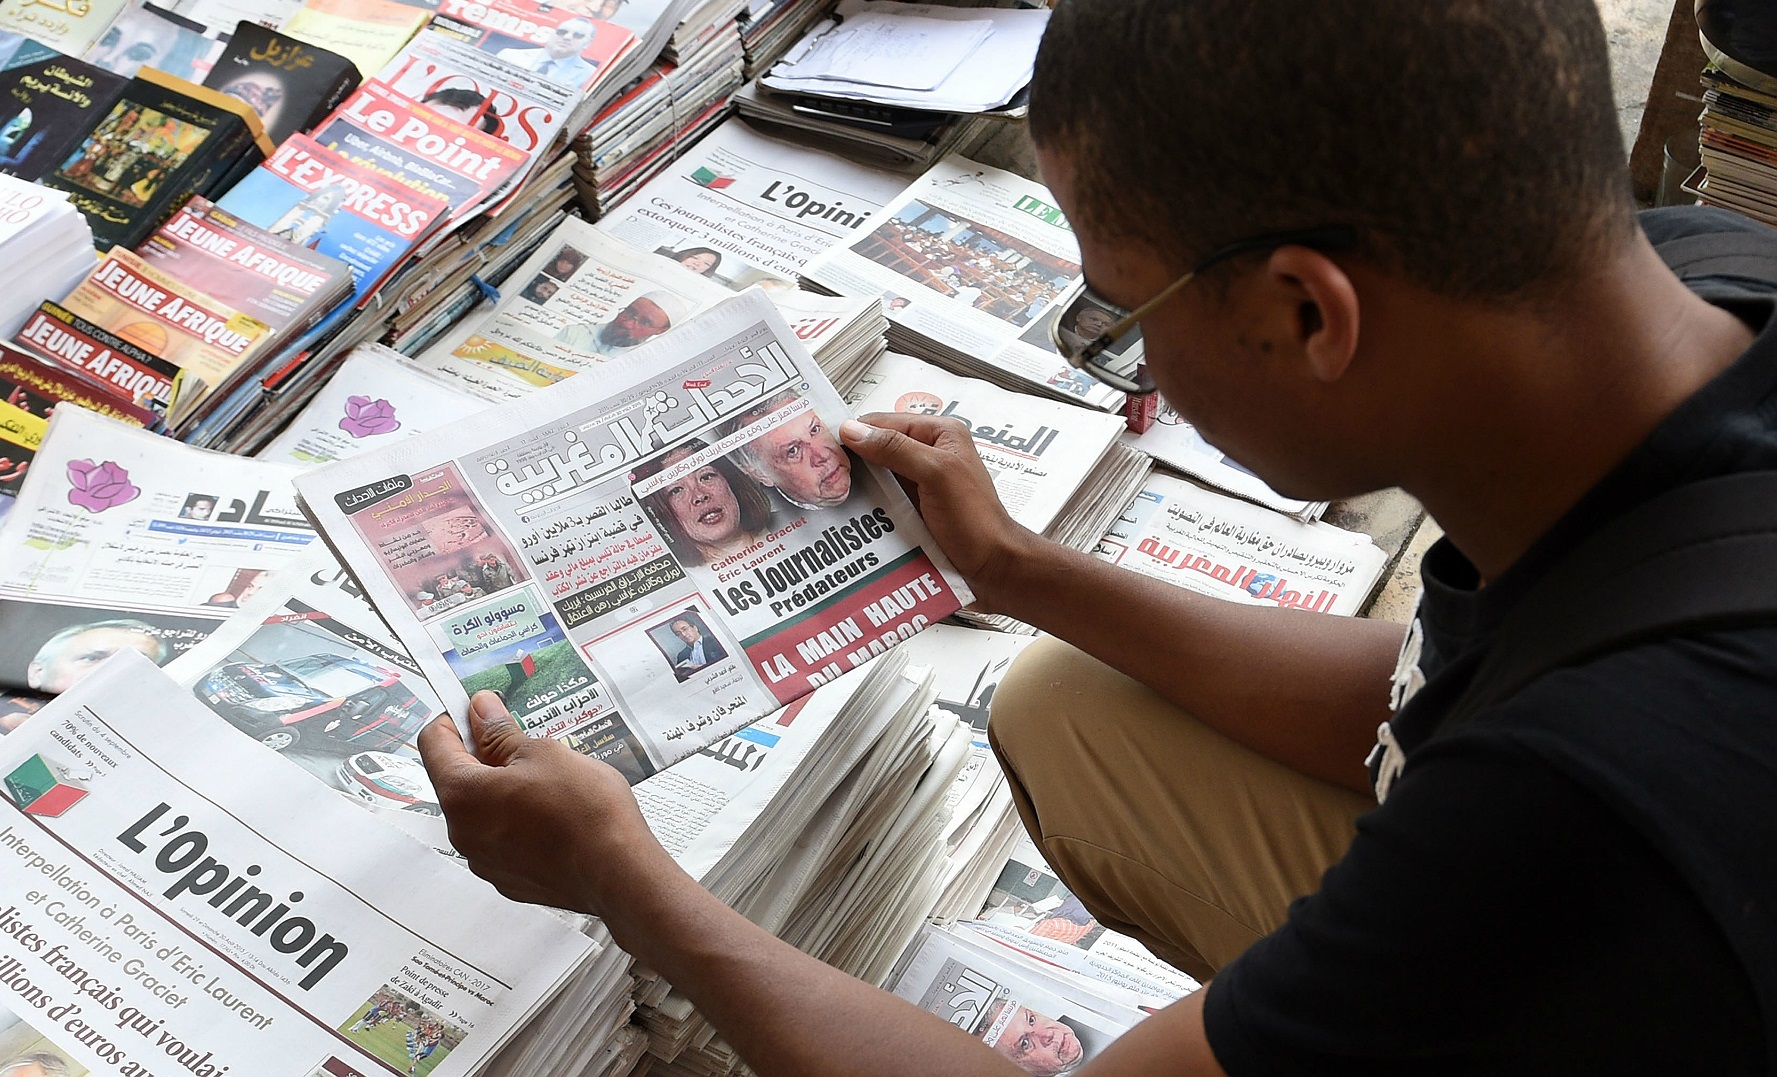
(1177, 444)
(743, 209)
(1036, 1021)
(647, 561)
(177, 902)
(979, 261)
(124, 540)
(374, 398)
(1038, 451)
(1217, 545)
(582, 297)
(307, 669)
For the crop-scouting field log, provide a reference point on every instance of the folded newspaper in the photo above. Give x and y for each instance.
(124, 540)
(1207, 542)
(979, 271)
(647, 561)
(182, 902)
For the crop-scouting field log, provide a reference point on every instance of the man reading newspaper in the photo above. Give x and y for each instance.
(1369, 245)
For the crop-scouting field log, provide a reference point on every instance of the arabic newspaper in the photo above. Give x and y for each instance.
(741, 208)
(1038, 451)
(127, 540)
(968, 665)
(585, 297)
(307, 669)
(374, 398)
(647, 561)
(979, 262)
(582, 297)
(1176, 443)
(1216, 545)
(1033, 911)
(723, 812)
(1034, 1018)
(178, 901)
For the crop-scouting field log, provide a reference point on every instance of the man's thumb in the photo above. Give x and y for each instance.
(884, 447)
(497, 736)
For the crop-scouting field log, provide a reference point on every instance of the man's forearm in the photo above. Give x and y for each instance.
(1305, 689)
(786, 1013)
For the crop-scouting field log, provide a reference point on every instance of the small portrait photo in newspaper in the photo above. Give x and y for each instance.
(564, 263)
(26, 1052)
(400, 1032)
(687, 643)
(198, 507)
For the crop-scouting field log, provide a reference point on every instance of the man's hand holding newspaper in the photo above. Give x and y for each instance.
(540, 821)
(938, 466)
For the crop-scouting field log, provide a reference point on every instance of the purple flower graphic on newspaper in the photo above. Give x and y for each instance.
(365, 417)
(98, 487)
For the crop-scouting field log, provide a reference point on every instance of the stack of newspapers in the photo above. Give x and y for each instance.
(657, 118)
(1738, 146)
(42, 223)
(1060, 470)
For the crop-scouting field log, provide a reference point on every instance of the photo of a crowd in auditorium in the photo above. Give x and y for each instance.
(989, 270)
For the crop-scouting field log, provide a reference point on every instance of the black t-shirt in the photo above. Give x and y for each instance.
(1585, 879)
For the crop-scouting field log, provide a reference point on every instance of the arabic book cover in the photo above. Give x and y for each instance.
(48, 102)
(71, 26)
(293, 85)
(163, 140)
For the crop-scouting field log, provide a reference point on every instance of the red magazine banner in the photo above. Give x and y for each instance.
(361, 192)
(32, 384)
(555, 41)
(57, 335)
(423, 136)
(852, 627)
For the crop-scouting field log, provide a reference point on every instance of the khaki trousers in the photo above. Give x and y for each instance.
(1164, 828)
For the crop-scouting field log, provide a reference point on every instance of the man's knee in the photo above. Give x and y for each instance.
(1035, 707)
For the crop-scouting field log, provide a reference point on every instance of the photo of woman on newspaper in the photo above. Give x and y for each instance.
(711, 513)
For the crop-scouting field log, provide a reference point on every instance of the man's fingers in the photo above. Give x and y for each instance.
(905, 444)
(442, 749)
(497, 736)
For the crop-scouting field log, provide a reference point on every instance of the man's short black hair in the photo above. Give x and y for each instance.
(1474, 143)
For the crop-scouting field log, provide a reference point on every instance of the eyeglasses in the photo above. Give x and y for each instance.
(1105, 356)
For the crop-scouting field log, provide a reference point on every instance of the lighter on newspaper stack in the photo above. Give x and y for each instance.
(1059, 470)
(646, 561)
(977, 269)
(239, 917)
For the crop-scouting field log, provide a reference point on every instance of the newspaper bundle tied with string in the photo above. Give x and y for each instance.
(646, 561)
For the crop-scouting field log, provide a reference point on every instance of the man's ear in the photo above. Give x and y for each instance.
(1327, 317)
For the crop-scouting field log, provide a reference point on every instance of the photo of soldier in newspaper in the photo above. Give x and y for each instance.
(48, 648)
(438, 546)
(25, 1052)
(943, 251)
(402, 1033)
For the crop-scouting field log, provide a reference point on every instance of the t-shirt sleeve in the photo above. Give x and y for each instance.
(1430, 945)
